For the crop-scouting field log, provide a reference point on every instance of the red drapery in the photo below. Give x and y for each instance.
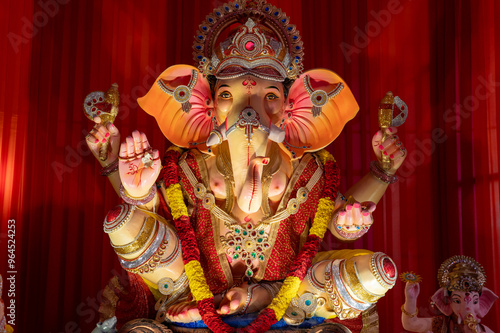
(439, 56)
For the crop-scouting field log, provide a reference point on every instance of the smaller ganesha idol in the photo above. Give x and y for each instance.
(462, 299)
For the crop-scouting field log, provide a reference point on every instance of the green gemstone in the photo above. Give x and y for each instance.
(237, 230)
(238, 248)
(308, 302)
(249, 273)
(261, 232)
(294, 313)
(261, 257)
(259, 240)
(236, 256)
(165, 286)
(244, 233)
(253, 255)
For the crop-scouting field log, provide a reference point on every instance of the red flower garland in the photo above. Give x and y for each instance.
(190, 250)
(304, 258)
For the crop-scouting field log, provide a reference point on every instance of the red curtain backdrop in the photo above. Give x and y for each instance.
(439, 56)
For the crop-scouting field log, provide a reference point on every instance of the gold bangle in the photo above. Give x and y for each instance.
(349, 274)
(138, 243)
(411, 315)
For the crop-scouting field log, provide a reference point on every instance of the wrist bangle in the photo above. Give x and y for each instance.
(381, 174)
(270, 287)
(411, 315)
(110, 168)
(137, 201)
(249, 297)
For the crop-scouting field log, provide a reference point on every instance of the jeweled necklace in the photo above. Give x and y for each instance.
(298, 270)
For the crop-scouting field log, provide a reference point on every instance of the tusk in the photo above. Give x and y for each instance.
(217, 135)
(276, 134)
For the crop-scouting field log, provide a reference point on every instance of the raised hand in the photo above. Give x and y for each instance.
(391, 147)
(101, 134)
(412, 290)
(139, 165)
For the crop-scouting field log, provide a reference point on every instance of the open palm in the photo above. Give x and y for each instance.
(139, 165)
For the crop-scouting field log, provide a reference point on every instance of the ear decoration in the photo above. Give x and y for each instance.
(319, 105)
(181, 102)
(320, 97)
(182, 93)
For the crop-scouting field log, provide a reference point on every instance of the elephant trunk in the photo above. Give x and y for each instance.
(470, 321)
(248, 138)
(250, 197)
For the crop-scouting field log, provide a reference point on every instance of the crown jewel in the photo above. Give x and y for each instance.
(461, 273)
(248, 37)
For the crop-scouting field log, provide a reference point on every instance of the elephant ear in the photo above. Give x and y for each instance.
(319, 105)
(486, 301)
(181, 102)
(442, 301)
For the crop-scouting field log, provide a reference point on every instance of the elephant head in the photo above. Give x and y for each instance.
(250, 113)
(248, 92)
(464, 303)
(462, 291)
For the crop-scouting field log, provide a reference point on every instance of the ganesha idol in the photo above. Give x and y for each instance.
(462, 299)
(230, 220)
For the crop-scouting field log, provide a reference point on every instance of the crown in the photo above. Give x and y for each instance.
(248, 37)
(461, 273)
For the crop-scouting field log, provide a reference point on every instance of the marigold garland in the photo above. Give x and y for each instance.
(169, 171)
(323, 216)
(197, 282)
(298, 269)
(324, 156)
(176, 201)
(303, 260)
(287, 292)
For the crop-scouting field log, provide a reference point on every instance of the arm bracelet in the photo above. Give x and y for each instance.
(249, 297)
(381, 174)
(411, 315)
(137, 201)
(110, 168)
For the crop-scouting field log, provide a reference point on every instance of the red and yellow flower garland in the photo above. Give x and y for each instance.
(298, 270)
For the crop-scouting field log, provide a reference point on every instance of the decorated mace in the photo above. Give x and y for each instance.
(104, 106)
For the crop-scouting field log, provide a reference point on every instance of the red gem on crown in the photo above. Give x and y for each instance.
(250, 46)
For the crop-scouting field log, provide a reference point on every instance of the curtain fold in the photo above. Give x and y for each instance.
(438, 56)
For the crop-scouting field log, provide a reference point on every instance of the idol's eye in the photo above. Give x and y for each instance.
(225, 95)
(271, 97)
(456, 301)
